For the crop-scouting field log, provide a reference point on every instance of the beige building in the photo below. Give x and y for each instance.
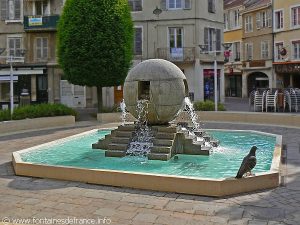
(32, 25)
(258, 46)
(233, 34)
(287, 43)
(173, 30)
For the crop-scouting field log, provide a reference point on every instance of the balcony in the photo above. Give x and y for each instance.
(37, 23)
(176, 54)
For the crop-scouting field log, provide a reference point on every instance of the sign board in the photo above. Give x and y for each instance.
(7, 78)
(35, 21)
(287, 68)
(177, 54)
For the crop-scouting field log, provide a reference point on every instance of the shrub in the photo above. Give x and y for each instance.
(4, 115)
(35, 111)
(208, 106)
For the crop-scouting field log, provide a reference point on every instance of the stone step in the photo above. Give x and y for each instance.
(166, 142)
(205, 148)
(124, 134)
(161, 135)
(214, 143)
(120, 140)
(121, 147)
(166, 129)
(157, 156)
(115, 153)
(160, 149)
(129, 127)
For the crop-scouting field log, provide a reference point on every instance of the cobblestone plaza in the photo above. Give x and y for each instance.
(41, 200)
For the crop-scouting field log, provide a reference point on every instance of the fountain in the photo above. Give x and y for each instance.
(155, 92)
(140, 154)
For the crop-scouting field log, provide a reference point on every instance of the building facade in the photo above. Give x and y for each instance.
(233, 34)
(286, 28)
(173, 30)
(257, 46)
(32, 26)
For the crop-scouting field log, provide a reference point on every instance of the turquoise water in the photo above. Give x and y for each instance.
(223, 162)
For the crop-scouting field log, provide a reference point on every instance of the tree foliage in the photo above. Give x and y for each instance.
(95, 39)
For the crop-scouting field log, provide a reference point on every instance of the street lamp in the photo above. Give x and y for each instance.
(204, 50)
(10, 59)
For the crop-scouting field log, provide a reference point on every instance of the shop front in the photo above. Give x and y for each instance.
(209, 91)
(30, 82)
(288, 74)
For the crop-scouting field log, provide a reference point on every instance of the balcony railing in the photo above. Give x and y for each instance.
(40, 22)
(176, 54)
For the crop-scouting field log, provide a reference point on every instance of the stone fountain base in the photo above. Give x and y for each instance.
(167, 142)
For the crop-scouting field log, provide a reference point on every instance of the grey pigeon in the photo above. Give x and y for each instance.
(248, 163)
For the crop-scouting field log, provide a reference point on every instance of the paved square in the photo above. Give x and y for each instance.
(36, 199)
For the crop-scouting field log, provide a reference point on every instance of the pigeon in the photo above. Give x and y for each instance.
(248, 163)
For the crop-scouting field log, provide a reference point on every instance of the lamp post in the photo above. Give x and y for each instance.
(10, 59)
(204, 50)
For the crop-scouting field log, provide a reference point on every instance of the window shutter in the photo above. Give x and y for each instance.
(269, 18)
(163, 5)
(39, 48)
(45, 48)
(258, 20)
(187, 4)
(11, 45)
(218, 40)
(4, 9)
(18, 47)
(206, 38)
(17, 9)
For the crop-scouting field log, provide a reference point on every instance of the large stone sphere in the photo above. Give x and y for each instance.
(162, 83)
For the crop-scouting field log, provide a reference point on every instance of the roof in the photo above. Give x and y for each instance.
(252, 4)
(232, 3)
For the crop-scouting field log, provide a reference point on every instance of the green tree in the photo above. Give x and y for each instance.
(95, 39)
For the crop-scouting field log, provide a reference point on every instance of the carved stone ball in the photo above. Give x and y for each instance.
(160, 82)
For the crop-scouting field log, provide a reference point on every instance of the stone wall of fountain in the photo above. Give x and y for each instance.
(155, 93)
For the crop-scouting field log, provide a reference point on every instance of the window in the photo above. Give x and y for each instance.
(211, 6)
(278, 20)
(236, 51)
(14, 46)
(248, 24)
(212, 39)
(41, 48)
(236, 19)
(176, 43)
(296, 16)
(176, 37)
(263, 19)
(226, 21)
(278, 48)
(249, 51)
(11, 9)
(135, 5)
(296, 49)
(178, 4)
(175, 4)
(138, 41)
(41, 8)
(264, 49)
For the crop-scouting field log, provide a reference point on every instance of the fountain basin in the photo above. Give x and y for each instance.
(181, 183)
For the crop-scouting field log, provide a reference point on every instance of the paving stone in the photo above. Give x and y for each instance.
(145, 217)
(171, 220)
(105, 212)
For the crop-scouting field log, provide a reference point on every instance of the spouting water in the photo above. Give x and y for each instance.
(196, 132)
(193, 115)
(124, 112)
(142, 141)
